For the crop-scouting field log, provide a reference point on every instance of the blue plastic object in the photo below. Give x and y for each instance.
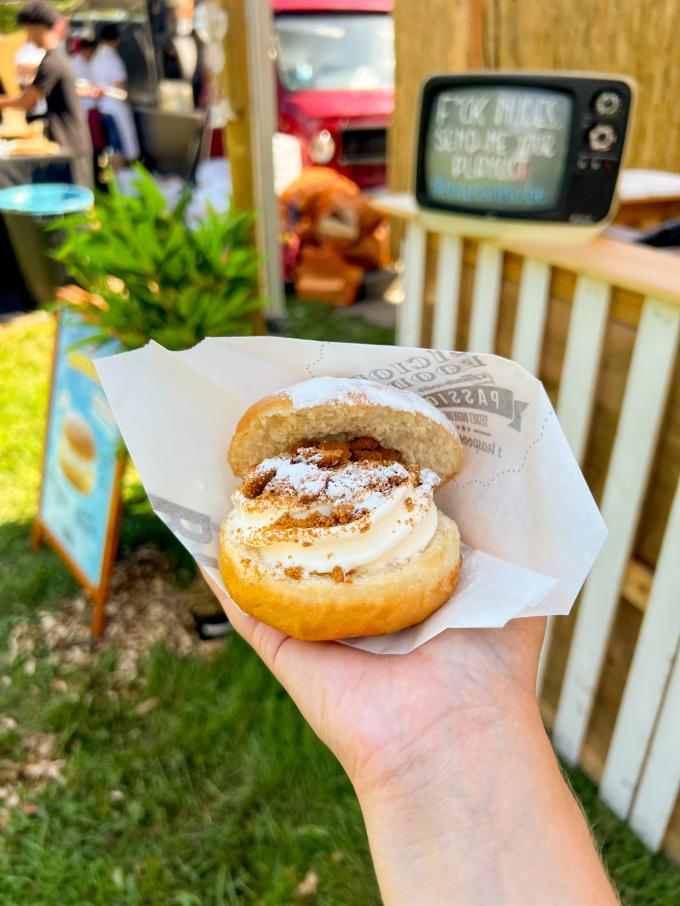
(45, 199)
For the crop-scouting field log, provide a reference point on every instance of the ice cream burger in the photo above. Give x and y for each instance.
(77, 452)
(334, 532)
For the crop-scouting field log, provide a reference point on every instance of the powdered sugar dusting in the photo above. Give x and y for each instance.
(352, 484)
(323, 390)
(300, 477)
(363, 484)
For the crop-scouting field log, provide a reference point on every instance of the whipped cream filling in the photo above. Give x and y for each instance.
(386, 521)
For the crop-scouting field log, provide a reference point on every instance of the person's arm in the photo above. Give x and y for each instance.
(25, 101)
(462, 796)
(484, 819)
(85, 89)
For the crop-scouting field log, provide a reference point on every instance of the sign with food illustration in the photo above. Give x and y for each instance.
(82, 463)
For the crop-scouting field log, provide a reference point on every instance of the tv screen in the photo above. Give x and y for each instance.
(503, 148)
(521, 154)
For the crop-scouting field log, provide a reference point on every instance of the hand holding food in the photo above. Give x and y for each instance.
(334, 532)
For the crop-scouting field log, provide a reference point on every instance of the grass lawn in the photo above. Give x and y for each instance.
(219, 794)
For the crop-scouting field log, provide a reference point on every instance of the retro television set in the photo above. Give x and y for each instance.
(524, 155)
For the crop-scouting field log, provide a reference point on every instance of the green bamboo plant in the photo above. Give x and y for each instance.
(143, 274)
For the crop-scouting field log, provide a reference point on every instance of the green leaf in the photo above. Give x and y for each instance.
(149, 193)
(179, 284)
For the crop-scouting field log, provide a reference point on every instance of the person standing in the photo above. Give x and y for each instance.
(27, 60)
(107, 71)
(55, 82)
(80, 64)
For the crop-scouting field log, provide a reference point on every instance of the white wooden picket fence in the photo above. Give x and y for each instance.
(640, 778)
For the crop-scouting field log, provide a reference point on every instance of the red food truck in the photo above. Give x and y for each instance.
(335, 82)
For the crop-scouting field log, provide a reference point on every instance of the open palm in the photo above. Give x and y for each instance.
(379, 712)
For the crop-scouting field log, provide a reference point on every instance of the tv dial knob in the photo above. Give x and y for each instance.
(608, 103)
(602, 137)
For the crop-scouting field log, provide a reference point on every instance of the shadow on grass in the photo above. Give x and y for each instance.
(320, 321)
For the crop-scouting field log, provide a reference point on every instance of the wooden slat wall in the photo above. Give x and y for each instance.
(410, 312)
(617, 337)
(635, 442)
(486, 298)
(420, 50)
(647, 680)
(532, 308)
(624, 36)
(578, 381)
(449, 263)
(627, 36)
(661, 776)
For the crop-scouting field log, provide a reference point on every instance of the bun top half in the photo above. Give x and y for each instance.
(346, 407)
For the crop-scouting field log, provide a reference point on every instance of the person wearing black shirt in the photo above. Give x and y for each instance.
(56, 83)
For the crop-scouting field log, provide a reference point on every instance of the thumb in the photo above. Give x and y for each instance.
(291, 661)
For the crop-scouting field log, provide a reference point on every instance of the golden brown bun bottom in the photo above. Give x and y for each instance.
(317, 608)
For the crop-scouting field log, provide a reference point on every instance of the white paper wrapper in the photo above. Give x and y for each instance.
(529, 523)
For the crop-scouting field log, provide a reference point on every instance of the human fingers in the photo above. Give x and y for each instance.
(264, 639)
(309, 671)
(294, 663)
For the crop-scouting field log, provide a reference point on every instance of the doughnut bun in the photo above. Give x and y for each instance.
(318, 608)
(305, 420)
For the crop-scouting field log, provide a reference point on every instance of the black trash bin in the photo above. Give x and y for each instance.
(26, 211)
